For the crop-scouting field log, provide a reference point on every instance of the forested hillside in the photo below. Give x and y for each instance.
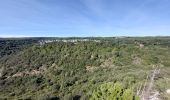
(10, 46)
(109, 69)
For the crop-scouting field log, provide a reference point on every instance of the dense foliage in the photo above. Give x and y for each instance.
(112, 91)
(68, 70)
(10, 46)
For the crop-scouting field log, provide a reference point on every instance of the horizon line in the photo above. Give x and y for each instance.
(80, 36)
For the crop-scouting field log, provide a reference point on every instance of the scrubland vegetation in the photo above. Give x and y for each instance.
(112, 69)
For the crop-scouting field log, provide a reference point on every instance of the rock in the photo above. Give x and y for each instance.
(141, 45)
(168, 91)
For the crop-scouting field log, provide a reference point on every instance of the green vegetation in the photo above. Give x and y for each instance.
(113, 91)
(83, 70)
(10, 46)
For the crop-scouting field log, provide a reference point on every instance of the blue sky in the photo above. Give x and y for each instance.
(63, 18)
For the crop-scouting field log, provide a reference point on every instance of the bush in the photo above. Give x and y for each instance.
(112, 91)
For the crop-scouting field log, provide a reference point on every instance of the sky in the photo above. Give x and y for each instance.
(82, 18)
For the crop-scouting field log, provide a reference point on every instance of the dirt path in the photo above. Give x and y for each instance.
(148, 87)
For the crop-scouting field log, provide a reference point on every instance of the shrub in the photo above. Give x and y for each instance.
(112, 91)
